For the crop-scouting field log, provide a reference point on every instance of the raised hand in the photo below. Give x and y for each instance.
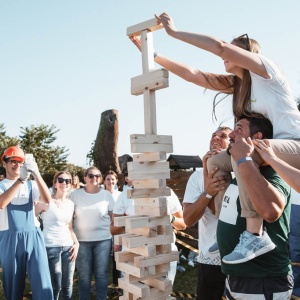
(167, 22)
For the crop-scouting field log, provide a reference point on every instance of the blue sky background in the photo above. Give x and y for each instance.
(64, 62)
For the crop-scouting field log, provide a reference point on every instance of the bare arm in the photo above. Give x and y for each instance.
(189, 73)
(226, 51)
(113, 229)
(268, 201)
(43, 189)
(7, 196)
(288, 173)
(178, 221)
(75, 247)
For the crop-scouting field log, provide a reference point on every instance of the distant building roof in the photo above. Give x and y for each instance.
(184, 161)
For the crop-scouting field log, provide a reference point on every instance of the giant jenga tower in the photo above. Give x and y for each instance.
(146, 255)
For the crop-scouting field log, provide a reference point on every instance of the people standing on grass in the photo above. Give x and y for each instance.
(22, 247)
(257, 86)
(198, 207)
(93, 211)
(60, 240)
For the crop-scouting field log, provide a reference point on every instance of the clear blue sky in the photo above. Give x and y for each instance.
(64, 62)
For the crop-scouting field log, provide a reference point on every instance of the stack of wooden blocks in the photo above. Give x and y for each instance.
(146, 255)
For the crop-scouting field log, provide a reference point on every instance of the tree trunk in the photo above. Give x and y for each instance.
(106, 144)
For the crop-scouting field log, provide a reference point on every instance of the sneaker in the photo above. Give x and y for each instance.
(214, 248)
(249, 247)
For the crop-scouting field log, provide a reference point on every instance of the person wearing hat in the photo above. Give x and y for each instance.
(22, 247)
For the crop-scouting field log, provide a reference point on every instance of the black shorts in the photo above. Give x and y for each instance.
(258, 288)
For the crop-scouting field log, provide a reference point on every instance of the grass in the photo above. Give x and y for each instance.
(184, 286)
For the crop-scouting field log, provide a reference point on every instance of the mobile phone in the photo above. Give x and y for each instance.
(29, 158)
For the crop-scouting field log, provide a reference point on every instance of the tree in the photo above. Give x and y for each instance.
(6, 141)
(39, 140)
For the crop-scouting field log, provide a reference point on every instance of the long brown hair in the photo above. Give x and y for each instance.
(240, 89)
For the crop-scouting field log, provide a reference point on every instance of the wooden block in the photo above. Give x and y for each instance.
(132, 279)
(118, 238)
(163, 249)
(150, 157)
(156, 294)
(144, 231)
(138, 222)
(151, 211)
(142, 261)
(150, 25)
(148, 170)
(162, 268)
(153, 202)
(151, 143)
(139, 289)
(126, 296)
(162, 284)
(149, 183)
(147, 250)
(129, 268)
(120, 221)
(154, 80)
(138, 241)
(165, 229)
(124, 256)
(148, 193)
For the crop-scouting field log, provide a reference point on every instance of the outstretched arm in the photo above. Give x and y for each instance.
(288, 173)
(226, 51)
(190, 74)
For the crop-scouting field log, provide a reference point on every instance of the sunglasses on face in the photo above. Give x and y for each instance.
(15, 162)
(91, 176)
(61, 180)
(245, 40)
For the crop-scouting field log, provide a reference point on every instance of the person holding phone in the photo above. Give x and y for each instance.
(22, 246)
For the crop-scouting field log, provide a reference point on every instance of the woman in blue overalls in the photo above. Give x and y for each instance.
(22, 248)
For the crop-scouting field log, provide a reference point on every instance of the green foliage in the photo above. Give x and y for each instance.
(39, 140)
(6, 141)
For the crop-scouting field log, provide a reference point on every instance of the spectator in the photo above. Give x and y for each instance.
(93, 211)
(22, 246)
(60, 239)
(198, 207)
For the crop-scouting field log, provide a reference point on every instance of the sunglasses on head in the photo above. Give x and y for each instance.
(245, 40)
(91, 176)
(61, 180)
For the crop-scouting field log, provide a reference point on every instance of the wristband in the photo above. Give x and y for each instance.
(243, 159)
(173, 219)
(155, 54)
(207, 195)
(21, 180)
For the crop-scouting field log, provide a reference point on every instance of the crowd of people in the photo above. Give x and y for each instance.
(241, 198)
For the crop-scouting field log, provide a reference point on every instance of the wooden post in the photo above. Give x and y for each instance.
(146, 255)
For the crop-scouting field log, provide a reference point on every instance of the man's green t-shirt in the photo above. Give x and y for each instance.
(231, 225)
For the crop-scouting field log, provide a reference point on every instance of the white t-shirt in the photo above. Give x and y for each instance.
(207, 225)
(273, 98)
(56, 224)
(116, 195)
(21, 197)
(91, 219)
